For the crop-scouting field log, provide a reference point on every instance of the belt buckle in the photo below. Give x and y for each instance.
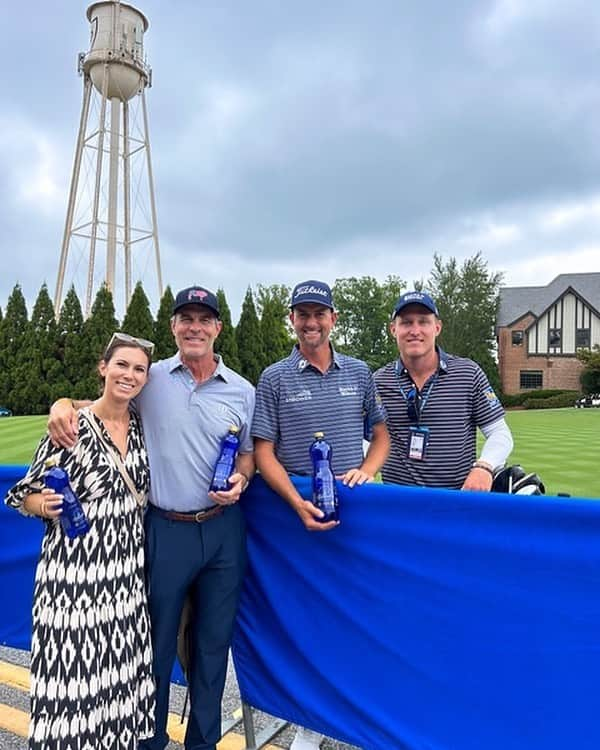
(199, 517)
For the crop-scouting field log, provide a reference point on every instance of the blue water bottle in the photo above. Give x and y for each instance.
(325, 495)
(225, 465)
(72, 517)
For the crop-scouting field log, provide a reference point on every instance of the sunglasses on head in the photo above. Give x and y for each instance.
(413, 405)
(124, 338)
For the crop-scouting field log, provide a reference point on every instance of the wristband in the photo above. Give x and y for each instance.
(245, 487)
(485, 466)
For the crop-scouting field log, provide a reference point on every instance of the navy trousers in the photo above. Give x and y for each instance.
(209, 559)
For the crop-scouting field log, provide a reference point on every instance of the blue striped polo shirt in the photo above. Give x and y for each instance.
(459, 399)
(294, 400)
(184, 423)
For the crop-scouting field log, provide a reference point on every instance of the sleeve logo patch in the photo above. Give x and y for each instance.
(490, 395)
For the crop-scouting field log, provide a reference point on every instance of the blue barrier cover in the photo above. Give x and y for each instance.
(428, 619)
(20, 542)
(439, 619)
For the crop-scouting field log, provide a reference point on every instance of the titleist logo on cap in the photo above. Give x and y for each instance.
(309, 289)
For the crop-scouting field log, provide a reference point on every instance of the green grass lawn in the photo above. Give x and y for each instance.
(561, 445)
(19, 437)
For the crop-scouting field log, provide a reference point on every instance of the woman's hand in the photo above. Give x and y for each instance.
(45, 504)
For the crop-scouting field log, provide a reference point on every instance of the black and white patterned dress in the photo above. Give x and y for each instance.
(91, 655)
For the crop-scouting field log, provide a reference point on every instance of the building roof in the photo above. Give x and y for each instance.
(516, 301)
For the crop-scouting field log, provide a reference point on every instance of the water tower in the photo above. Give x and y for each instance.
(111, 202)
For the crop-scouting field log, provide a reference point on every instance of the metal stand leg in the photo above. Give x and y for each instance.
(248, 720)
(254, 742)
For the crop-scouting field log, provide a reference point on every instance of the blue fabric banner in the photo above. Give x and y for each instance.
(439, 619)
(20, 542)
(433, 620)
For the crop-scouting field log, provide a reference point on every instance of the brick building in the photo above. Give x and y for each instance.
(540, 328)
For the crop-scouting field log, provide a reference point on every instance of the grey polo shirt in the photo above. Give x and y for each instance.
(294, 400)
(184, 423)
(458, 400)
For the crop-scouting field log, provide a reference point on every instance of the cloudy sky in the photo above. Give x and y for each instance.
(323, 139)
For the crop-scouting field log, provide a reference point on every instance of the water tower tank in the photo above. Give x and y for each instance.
(117, 39)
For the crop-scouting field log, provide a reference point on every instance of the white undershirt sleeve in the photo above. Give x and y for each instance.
(498, 443)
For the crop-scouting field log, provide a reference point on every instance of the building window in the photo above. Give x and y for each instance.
(530, 379)
(554, 337)
(517, 338)
(582, 338)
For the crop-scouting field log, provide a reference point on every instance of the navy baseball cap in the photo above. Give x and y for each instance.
(196, 295)
(415, 298)
(312, 291)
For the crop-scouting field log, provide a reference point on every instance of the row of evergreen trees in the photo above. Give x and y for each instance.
(42, 359)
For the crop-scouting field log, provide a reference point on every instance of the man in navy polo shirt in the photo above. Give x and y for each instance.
(316, 389)
(435, 402)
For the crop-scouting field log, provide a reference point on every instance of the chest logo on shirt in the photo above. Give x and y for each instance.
(303, 395)
(348, 390)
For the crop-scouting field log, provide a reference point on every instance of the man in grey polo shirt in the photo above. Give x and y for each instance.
(195, 539)
(435, 402)
(316, 389)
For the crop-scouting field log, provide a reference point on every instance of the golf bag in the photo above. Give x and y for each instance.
(514, 480)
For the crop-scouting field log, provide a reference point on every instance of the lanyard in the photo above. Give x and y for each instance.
(414, 396)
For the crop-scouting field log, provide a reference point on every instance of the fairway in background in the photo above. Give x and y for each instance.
(19, 437)
(562, 446)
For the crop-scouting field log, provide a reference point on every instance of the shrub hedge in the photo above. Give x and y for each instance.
(521, 399)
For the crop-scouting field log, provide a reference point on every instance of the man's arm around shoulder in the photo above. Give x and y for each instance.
(63, 422)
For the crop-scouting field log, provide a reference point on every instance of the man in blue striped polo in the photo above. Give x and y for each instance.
(316, 389)
(435, 402)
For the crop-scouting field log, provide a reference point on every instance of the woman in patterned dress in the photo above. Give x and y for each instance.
(91, 655)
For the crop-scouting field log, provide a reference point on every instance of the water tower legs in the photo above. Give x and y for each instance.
(85, 109)
(127, 202)
(113, 193)
(151, 191)
(108, 217)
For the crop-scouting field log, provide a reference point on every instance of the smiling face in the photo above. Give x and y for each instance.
(124, 372)
(415, 329)
(195, 328)
(313, 324)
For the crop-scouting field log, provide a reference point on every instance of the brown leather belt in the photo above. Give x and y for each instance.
(199, 517)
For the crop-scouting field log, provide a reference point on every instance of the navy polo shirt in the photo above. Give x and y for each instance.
(294, 400)
(459, 399)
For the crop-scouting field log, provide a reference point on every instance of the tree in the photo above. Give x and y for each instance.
(590, 375)
(273, 303)
(226, 344)
(249, 341)
(364, 309)
(138, 319)
(97, 330)
(36, 363)
(162, 336)
(72, 349)
(12, 331)
(468, 299)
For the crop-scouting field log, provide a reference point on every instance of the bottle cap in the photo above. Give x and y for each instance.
(50, 462)
(234, 428)
(319, 435)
